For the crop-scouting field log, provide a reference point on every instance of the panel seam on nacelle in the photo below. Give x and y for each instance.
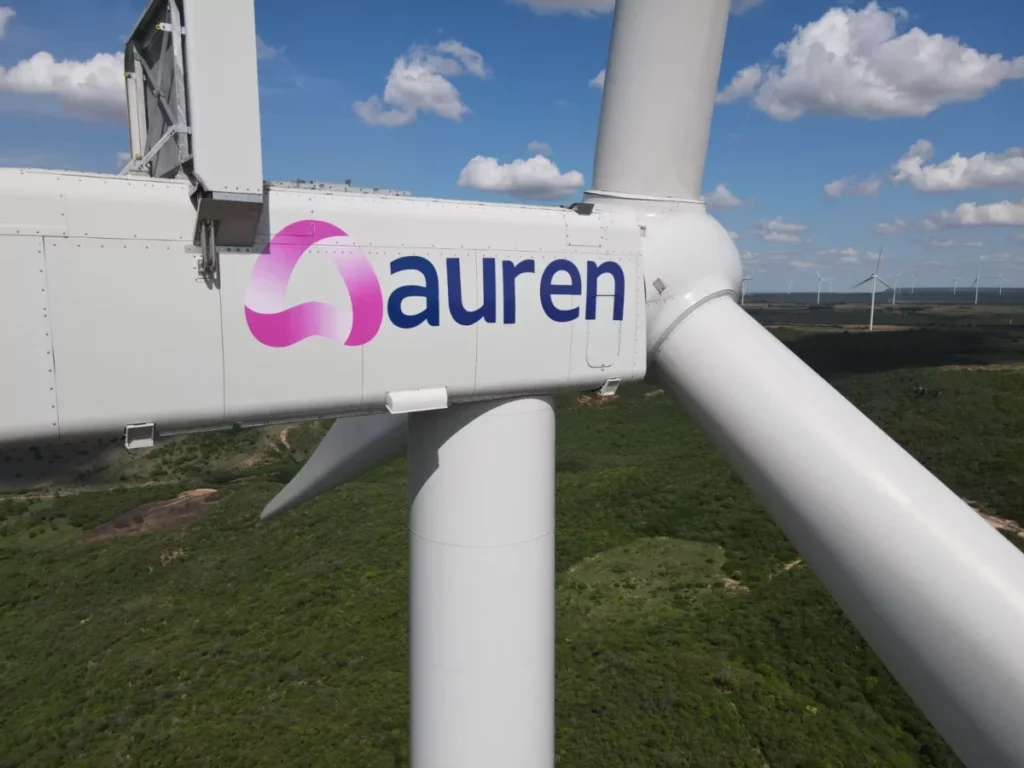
(52, 350)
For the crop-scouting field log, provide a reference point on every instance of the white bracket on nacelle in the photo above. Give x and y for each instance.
(207, 128)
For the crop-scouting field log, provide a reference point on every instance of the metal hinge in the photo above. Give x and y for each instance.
(209, 259)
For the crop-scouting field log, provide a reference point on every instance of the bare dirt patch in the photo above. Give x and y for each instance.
(1016, 367)
(183, 509)
(590, 401)
(999, 523)
(655, 393)
(283, 437)
(733, 585)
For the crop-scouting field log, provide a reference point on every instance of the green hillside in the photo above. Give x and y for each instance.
(689, 631)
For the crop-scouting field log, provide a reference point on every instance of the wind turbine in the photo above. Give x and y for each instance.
(743, 290)
(895, 287)
(873, 278)
(956, 279)
(789, 288)
(977, 285)
(635, 282)
(820, 281)
(1001, 279)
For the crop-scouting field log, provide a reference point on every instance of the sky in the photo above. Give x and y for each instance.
(838, 130)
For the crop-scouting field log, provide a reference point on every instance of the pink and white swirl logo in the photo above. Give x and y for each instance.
(275, 325)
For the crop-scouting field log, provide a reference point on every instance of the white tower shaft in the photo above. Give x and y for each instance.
(481, 585)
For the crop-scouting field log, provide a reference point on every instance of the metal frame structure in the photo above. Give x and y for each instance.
(462, 320)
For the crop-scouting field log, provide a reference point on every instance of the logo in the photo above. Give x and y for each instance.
(275, 325)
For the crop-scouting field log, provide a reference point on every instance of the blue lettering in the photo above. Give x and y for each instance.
(488, 311)
(594, 272)
(549, 289)
(509, 272)
(429, 291)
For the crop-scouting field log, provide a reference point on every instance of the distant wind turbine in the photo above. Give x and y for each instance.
(873, 278)
(743, 290)
(977, 285)
(789, 290)
(896, 287)
(1001, 279)
(955, 280)
(820, 281)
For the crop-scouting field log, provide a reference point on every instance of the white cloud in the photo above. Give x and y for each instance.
(983, 170)
(751, 256)
(1002, 214)
(123, 159)
(721, 197)
(865, 188)
(847, 255)
(742, 85)
(890, 227)
(802, 264)
(778, 231)
(540, 147)
(739, 7)
(854, 62)
(597, 81)
(536, 177)
(266, 52)
(418, 82)
(6, 14)
(868, 187)
(579, 7)
(954, 244)
(90, 90)
(734, 235)
(836, 188)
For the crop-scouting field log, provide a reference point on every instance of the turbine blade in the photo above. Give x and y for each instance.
(883, 282)
(352, 447)
(865, 280)
(946, 616)
(879, 262)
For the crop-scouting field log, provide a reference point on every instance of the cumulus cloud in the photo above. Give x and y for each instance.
(6, 14)
(540, 147)
(578, 7)
(418, 82)
(721, 197)
(855, 62)
(890, 227)
(266, 52)
(734, 235)
(865, 188)
(778, 231)
(536, 177)
(846, 255)
(802, 264)
(954, 244)
(739, 7)
(597, 81)
(980, 171)
(89, 90)
(1007, 213)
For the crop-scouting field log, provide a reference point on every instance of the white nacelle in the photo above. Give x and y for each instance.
(348, 303)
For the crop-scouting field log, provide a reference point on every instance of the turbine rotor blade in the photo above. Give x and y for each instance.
(936, 592)
(862, 282)
(884, 283)
(352, 447)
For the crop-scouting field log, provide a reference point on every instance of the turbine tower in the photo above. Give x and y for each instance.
(743, 290)
(873, 278)
(454, 356)
(1001, 279)
(977, 286)
(820, 281)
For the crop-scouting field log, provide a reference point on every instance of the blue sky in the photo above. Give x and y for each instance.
(775, 145)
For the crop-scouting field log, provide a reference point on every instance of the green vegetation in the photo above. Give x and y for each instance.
(689, 632)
